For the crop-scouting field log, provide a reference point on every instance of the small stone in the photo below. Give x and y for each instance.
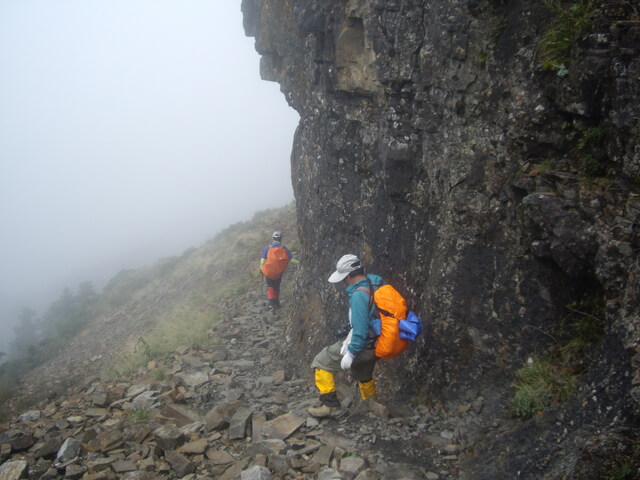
(257, 472)
(168, 437)
(69, 450)
(123, 466)
(283, 426)
(351, 466)
(196, 447)
(329, 474)
(74, 472)
(452, 449)
(31, 416)
(179, 463)
(239, 422)
(219, 457)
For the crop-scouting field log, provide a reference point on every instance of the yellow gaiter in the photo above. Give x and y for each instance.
(324, 381)
(367, 389)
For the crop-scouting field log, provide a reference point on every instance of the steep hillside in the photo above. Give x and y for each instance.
(144, 313)
(482, 156)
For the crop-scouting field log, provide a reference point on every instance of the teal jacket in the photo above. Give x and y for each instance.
(361, 311)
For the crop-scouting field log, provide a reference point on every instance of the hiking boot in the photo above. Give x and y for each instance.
(330, 399)
(324, 411)
(320, 412)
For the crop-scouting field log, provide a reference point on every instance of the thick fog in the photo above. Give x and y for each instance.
(130, 130)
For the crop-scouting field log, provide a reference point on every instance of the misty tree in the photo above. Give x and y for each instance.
(86, 294)
(70, 312)
(26, 333)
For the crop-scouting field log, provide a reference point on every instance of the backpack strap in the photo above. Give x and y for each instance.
(368, 291)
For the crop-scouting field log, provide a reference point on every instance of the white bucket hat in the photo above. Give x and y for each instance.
(347, 264)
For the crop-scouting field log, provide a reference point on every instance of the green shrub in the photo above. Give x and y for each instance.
(137, 414)
(159, 374)
(592, 167)
(568, 21)
(539, 385)
(584, 327)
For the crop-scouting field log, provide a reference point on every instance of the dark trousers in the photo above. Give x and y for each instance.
(273, 291)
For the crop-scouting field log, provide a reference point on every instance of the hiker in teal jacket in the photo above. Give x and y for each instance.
(361, 311)
(356, 353)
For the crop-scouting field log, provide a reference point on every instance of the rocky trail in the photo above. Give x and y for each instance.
(232, 410)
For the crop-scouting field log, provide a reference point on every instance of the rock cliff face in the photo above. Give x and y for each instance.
(491, 191)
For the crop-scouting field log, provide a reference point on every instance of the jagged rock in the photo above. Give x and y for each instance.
(219, 416)
(141, 476)
(135, 390)
(256, 472)
(50, 474)
(329, 474)
(193, 379)
(451, 449)
(137, 432)
(48, 448)
(13, 470)
(179, 463)
(31, 416)
(168, 438)
(98, 464)
(182, 416)
(351, 466)
(38, 469)
(18, 439)
(219, 457)
(322, 456)
(76, 420)
(399, 471)
(5, 450)
(239, 423)
(74, 472)
(68, 451)
(123, 466)
(99, 413)
(146, 400)
(62, 424)
(235, 470)
(283, 426)
(107, 441)
(98, 397)
(368, 474)
(278, 377)
(195, 447)
(194, 362)
(278, 464)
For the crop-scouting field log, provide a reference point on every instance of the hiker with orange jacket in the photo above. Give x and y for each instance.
(275, 260)
(357, 353)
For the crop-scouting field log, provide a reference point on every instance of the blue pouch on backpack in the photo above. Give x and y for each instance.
(410, 327)
(375, 325)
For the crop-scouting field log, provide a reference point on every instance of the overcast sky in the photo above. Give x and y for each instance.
(130, 130)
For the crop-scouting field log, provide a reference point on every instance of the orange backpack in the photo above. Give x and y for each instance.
(391, 308)
(276, 263)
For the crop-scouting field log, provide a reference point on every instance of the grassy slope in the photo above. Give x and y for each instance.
(203, 278)
(144, 313)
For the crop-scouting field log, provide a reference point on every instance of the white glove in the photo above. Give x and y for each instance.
(347, 360)
(344, 349)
